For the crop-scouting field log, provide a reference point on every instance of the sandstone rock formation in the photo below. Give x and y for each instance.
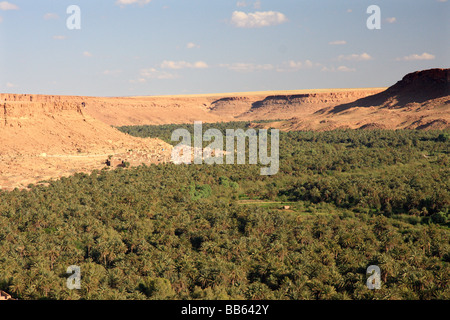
(45, 137)
(421, 100)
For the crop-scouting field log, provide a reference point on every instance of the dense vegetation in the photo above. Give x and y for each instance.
(383, 171)
(356, 198)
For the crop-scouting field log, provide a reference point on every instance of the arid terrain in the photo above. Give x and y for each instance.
(44, 137)
(421, 100)
(219, 107)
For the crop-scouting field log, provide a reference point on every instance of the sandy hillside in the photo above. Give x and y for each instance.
(44, 137)
(421, 100)
(218, 107)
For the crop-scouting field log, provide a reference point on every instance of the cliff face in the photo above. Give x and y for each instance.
(421, 88)
(316, 99)
(421, 100)
(230, 106)
(11, 97)
(46, 137)
(34, 124)
(434, 83)
(20, 109)
(283, 106)
(301, 105)
(312, 98)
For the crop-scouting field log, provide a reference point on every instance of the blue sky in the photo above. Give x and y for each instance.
(159, 47)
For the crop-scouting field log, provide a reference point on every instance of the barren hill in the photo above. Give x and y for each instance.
(43, 137)
(421, 87)
(218, 107)
(421, 100)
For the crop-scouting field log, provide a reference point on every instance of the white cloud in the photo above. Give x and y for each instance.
(355, 57)
(297, 65)
(200, 65)
(391, 20)
(257, 19)
(166, 64)
(241, 4)
(123, 3)
(157, 73)
(345, 69)
(292, 65)
(413, 57)
(337, 42)
(338, 69)
(5, 5)
(153, 73)
(87, 54)
(247, 67)
(257, 4)
(10, 85)
(191, 45)
(50, 16)
(59, 37)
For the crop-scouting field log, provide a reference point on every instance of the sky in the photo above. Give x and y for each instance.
(169, 47)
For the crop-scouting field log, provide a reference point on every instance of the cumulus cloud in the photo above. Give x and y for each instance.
(123, 3)
(50, 16)
(191, 45)
(391, 20)
(87, 54)
(355, 57)
(10, 85)
(297, 65)
(345, 69)
(166, 64)
(247, 67)
(292, 66)
(413, 57)
(338, 42)
(5, 6)
(287, 66)
(153, 73)
(338, 69)
(59, 37)
(200, 65)
(160, 71)
(257, 19)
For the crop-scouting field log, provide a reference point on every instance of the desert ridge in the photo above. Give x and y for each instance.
(225, 107)
(48, 136)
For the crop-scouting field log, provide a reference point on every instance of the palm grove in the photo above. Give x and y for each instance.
(356, 198)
